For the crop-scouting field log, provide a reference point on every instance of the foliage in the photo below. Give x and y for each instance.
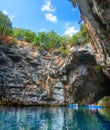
(18, 33)
(53, 40)
(81, 37)
(105, 101)
(64, 51)
(29, 35)
(24, 35)
(98, 67)
(40, 39)
(5, 25)
(65, 40)
(43, 40)
(47, 40)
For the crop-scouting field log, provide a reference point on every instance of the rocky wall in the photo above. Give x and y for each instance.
(96, 15)
(31, 77)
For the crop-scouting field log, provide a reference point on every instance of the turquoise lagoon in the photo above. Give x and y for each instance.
(54, 118)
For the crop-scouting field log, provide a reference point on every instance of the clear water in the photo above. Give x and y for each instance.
(53, 118)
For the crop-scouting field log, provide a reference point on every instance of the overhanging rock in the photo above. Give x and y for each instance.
(96, 15)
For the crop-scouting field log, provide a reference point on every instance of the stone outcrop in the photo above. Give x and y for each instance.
(96, 14)
(85, 77)
(31, 77)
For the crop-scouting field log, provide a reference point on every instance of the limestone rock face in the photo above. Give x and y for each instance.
(96, 14)
(85, 77)
(31, 77)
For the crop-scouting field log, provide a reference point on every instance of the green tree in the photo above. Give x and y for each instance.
(41, 39)
(29, 36)
(53, 40)
(18, 33)
(84, 32)
(5, 25)
(65, 40)
(24, 35)
(81, 37)
(47, 40)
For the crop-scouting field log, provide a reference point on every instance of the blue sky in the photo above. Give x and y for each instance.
(42, 15)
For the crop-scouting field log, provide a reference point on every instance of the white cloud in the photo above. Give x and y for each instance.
(5, 12)
(51, 17)
(49, 11)
(11, 16)
(70, 30)
(66, 25)
(42, 30)
(47, 7)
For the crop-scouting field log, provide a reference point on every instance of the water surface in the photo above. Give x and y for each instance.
(53, 118)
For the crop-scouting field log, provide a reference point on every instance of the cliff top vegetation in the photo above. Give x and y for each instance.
(42, 40)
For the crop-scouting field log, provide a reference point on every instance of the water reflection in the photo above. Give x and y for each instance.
(53, 118)
(105, 112)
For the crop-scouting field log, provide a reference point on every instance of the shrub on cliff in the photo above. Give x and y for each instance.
(81, 37)
(24, 34)
(5, 26)
(48, 40)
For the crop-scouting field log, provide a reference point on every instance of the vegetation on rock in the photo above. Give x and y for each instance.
(105, 101)
(81, 37)
(24, 35)
(43, 40)
(5, 26)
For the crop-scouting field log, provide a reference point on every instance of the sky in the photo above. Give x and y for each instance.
(43, 15)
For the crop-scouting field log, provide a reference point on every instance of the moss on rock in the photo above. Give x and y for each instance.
(105, 101)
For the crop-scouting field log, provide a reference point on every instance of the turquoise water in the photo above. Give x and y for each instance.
(53, 118)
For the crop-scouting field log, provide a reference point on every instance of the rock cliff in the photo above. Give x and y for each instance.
(96, 14)
(31, 77)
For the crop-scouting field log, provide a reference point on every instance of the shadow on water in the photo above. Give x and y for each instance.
(53, 118)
